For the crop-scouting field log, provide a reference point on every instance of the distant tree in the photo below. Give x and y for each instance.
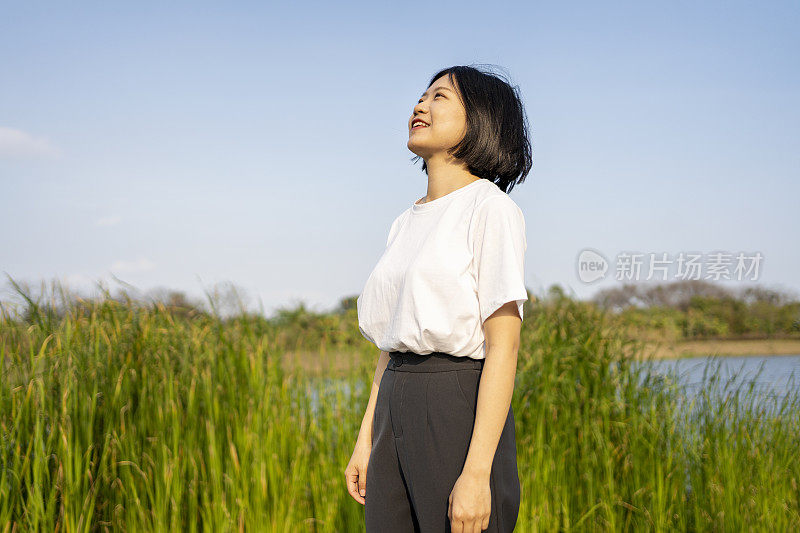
(676, 295)
(757, 294)
(345, 304)
(616, 298)
(556, 292)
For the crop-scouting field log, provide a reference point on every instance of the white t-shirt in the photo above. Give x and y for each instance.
(448, 265)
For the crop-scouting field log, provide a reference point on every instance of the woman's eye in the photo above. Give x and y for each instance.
(437, 94)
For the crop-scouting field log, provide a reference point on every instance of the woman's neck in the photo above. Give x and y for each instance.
(444, 177)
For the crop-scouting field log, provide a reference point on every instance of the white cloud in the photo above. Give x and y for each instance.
(17, 143)
(140, 265)
(112, 220)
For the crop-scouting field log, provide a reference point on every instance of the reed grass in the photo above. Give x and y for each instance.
(118, 416)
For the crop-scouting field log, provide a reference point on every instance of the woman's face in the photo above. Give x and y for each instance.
(441, 108)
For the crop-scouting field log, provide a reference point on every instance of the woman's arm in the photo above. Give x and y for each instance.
(366, 423)
(496, 388)
(356, 471)
(470, 499)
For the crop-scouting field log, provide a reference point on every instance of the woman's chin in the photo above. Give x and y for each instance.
(419, 148)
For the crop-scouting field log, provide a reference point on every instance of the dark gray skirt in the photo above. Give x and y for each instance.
(422, 428)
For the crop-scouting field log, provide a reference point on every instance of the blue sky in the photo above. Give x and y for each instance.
(188, 144)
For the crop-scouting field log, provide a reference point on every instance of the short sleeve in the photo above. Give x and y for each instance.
(499, 246)
(393, 228)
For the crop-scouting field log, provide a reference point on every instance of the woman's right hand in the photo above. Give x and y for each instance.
(356, 471)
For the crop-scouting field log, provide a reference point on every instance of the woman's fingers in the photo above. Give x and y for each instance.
(362, 482)
(356, 473)
(356, 483)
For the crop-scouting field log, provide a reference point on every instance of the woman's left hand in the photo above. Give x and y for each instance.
(470, 503)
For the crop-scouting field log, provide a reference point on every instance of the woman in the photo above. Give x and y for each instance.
(436, 451)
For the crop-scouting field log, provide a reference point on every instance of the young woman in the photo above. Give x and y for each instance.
(437, 451)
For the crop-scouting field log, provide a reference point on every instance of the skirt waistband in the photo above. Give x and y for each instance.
(432, 362)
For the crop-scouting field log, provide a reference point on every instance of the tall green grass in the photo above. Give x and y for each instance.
(118, 416)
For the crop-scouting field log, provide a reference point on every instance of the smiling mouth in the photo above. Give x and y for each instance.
(419, 126)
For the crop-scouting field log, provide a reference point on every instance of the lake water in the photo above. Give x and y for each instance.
(763, 385)
(770, 375)
(773, 377)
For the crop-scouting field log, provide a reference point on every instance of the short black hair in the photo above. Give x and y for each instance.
(496, 145)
